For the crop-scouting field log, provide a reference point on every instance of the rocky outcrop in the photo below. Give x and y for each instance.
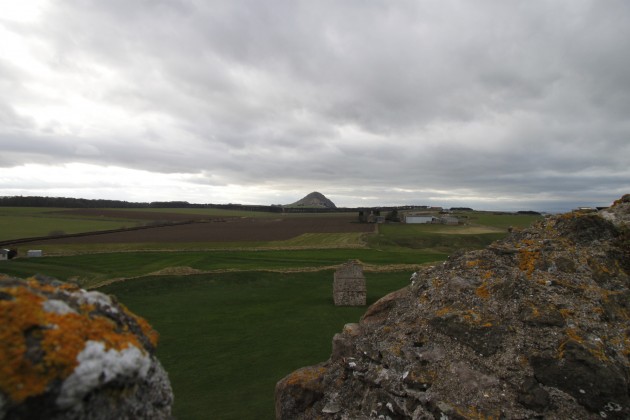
(66, 353)
(534, 326)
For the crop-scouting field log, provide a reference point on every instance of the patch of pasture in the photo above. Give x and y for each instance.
(26, 222)
(90, 269)
(226, 339)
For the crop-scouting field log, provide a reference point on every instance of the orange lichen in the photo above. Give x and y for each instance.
(61, 338)
(473, 263)
(474, 413)
(305, 376)
(572, 333)
(483, 291)
(527, 259)
(443, 311)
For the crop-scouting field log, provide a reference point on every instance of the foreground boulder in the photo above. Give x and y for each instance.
(66, 353)
(534, 326)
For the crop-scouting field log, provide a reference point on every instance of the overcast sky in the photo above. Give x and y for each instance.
(490, 104)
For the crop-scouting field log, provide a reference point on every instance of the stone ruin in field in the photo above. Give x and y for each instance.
(349, 287)
(535, 326)
(70, 354)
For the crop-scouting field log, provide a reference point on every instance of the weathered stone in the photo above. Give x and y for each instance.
(66, 353)
(544, 316)
(594, 383)
(485, 340)
(380, 309)
(533, 396)
(349, 288)
(536, 327)
(299, 391)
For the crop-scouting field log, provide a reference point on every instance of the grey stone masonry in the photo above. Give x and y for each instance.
(349, 287)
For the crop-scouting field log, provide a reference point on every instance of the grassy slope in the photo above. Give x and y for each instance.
(89, 269)
(481, 229)
(25, 222)
(226, 339)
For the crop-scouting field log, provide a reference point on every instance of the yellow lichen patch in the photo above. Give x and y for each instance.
(148, 331)
(572, 333)
(473, 263)
(305, 375)
(474, 413)
(15, 378)
(396, 349)
(468, 316)
(444, 311)
(146, 328)
(471, 317)
(57, 338)
(483, 291)
(437, 282)
(597, 348)
(527, 259)
(421, 376)
(566, 313)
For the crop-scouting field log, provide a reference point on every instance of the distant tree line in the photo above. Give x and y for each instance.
(83, 203)
(66, 202)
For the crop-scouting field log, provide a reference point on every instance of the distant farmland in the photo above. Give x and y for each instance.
(226, 230)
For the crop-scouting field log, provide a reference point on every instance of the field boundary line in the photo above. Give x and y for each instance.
(189, 271)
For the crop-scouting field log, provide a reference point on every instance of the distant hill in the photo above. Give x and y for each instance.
(314, 200)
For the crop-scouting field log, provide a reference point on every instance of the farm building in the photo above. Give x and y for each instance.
(349, 288)
(369, 215)
(34, 253)
(419, 219)
(4, 254)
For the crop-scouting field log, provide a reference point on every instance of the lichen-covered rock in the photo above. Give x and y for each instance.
(535, 326)
(66, 353)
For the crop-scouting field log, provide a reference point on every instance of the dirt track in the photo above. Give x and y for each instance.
(227, 230)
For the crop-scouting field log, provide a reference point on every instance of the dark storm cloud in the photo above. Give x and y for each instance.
(490, 98)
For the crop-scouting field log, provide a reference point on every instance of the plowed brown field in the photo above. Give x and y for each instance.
(130, 214)
(226, 230)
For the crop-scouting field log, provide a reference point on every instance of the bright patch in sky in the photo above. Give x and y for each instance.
(21, 10)
(507, 105)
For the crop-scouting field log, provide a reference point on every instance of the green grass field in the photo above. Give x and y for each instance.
(26, 222)
(89, 269)
(226, 339)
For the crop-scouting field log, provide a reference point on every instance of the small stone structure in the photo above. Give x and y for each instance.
(349, 287)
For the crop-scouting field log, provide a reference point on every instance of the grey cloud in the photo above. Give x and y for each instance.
(493, 97)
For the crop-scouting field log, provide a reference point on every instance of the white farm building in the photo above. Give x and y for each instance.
(419, 219)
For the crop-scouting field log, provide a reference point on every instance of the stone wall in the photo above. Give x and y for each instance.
(349, 287)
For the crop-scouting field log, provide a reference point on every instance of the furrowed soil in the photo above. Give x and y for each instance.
(131, 214)
(223, 230)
